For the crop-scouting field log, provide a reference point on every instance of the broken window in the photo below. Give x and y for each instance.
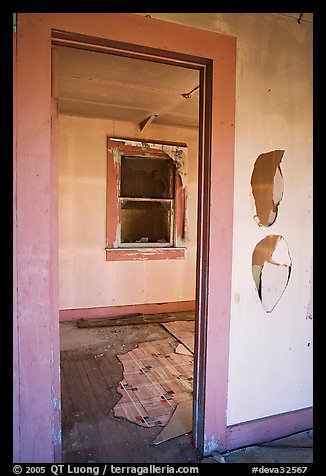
(271, 268)
(267, 186)
(145, 199)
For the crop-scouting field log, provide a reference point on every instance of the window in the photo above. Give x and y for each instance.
(145, 201)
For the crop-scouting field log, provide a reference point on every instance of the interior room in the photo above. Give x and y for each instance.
(127, 262)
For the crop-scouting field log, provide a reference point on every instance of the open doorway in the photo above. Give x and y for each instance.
(37, 386)
(150, 106)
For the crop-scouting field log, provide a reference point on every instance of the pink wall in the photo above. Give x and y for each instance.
(37, 342)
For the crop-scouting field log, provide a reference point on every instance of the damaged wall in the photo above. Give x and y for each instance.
(270, 363)
(86, 279)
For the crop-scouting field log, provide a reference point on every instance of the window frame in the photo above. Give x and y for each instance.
(115, 250)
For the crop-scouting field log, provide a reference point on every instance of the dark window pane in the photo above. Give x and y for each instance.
(145, 222)
(145, 178)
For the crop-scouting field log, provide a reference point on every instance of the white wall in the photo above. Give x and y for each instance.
(270, 365)
(86, 279)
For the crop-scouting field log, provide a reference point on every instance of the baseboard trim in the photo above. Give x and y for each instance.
(114, 311)
(268, 428)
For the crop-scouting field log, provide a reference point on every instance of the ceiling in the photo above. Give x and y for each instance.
(302, 17)
(102, 85)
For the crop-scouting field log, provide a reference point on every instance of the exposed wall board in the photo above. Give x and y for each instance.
(267, 186)
(264, 250)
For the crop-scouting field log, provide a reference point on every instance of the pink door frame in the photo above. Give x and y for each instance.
(37, 429)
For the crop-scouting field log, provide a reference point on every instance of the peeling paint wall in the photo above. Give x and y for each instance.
(86, 279)
(270, 362)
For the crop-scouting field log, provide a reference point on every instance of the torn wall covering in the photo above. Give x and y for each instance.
(271, 269)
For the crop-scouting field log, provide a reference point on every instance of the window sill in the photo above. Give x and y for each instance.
(129, 254)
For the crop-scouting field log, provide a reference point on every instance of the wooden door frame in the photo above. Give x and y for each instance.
(37, 377)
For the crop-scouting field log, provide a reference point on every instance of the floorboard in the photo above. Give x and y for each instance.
(90, 372)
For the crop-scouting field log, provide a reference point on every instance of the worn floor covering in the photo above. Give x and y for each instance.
(155, 380)
(90, 373)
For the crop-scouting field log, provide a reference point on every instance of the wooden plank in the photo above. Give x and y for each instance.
(146, 122)
(78, 397)
(98, 385)
(149, 141)
(137, 319)
(112, 374)
(73, 446)
(105, 321)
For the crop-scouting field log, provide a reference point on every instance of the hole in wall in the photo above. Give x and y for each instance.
(271, 269)
(267, 186)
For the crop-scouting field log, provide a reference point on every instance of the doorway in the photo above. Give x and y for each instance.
(33, 120)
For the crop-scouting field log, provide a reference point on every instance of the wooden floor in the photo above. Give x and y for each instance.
(90, 372)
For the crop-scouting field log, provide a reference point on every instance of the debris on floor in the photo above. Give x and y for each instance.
(293, 449)
(179, 424)
(215, 457)
(184, 332)
(182, 349)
